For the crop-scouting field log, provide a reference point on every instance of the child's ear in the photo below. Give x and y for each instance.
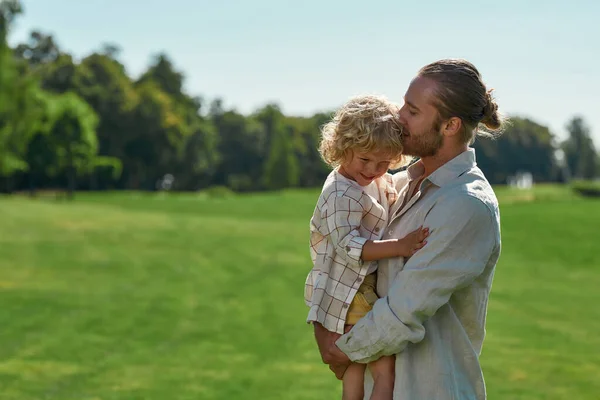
(348, 154)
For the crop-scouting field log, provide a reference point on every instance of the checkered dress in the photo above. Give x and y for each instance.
(344, 219)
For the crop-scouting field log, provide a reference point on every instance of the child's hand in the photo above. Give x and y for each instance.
(413, 242)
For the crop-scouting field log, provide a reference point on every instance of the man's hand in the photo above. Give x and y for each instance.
(330, 354)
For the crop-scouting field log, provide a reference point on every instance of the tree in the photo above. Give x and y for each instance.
(198, 162)
(58, 76)
(71, 139)
(239, 149)
(9, 161)
(579, 150)
(192, 146)
(281, 167)
(155, 140)
(110, 50)
(525, 146)
(103, 83)
(163, 73)
(271, 119)
(306, 139)
(39, 50)
(21, 116)
(9, 9)
(281, 164)
(18, 100)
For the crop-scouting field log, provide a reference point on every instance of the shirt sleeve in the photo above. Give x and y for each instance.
(344, 215)
(463, 237)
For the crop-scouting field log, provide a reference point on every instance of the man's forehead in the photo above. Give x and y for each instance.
(421, 92)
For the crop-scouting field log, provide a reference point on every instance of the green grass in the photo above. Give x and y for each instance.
(143, 296)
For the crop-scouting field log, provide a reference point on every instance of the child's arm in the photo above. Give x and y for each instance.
(341, 218)
(407, 246)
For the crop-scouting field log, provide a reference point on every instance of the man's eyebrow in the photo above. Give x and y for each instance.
(411, 105)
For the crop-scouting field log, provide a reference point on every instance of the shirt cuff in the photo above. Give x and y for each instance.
(362, 343)
(354, 250)
(368, 341)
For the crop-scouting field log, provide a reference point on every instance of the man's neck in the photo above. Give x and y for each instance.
(432, 163)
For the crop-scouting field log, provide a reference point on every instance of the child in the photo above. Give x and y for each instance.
(361, 143)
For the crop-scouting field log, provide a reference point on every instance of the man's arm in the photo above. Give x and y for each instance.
(463, 236)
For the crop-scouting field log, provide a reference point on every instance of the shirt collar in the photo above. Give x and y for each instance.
(447, 172)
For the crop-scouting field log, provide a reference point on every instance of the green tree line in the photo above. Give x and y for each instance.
(86, 124)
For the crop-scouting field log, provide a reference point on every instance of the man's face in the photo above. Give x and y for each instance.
(420, 119)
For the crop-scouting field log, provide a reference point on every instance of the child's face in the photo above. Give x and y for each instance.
(364, 168)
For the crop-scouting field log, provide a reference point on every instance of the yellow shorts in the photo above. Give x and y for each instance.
(363, 300)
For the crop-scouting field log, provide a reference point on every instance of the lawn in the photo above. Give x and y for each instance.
(188, 296)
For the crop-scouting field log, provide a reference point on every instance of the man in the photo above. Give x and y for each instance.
(433, 306)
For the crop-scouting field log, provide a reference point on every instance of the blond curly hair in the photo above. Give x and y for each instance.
(364, 124)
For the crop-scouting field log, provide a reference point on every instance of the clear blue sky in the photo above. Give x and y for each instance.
(542, 57)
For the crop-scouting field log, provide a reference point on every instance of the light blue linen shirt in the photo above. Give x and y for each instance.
(433, 306)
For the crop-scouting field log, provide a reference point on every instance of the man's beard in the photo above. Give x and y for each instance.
(425, 144)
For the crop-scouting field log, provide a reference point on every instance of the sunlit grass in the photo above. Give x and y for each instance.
(145, 296)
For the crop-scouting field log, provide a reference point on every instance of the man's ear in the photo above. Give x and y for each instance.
(452, 126)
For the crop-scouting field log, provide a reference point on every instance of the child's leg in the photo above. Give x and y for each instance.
(383, 371)
(353, 382)
(362, 303)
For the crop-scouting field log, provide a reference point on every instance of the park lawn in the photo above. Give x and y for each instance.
(188, 296)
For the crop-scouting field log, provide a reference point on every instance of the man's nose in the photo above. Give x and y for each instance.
(401, 117)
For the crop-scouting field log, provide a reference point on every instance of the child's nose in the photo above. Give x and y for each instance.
(373, 169)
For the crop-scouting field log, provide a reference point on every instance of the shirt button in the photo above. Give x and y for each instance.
(345, 305)
(377, 230)
(348, 248)
(359, 280)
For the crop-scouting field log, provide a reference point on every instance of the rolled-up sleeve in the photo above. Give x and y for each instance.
(463, 236)
(344, 215)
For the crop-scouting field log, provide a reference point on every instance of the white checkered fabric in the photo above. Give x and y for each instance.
(344, 219)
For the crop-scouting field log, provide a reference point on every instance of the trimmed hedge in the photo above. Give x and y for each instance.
(586, 188)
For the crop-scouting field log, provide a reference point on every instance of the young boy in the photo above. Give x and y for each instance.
(361, 144)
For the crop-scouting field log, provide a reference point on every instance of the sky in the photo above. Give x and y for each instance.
(541, 57)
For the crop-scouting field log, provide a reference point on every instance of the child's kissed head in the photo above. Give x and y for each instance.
(364, 126)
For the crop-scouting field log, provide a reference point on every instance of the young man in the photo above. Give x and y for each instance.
(431, 314)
